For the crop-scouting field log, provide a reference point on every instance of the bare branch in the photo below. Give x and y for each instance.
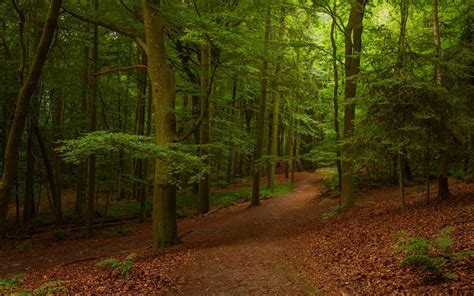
(118, 69)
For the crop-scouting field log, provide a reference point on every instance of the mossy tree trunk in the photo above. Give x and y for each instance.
(165, 231)
(276, 102)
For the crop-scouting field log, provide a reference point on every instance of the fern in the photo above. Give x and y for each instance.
(430, 257)
(119, 267)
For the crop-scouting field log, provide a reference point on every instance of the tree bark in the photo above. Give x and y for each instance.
(276, 103)
(443, 185)
(335, 100)
(204, 183)
(165, 231)
(93, 127)
(353, 47)
(11, 156)
(255, 201)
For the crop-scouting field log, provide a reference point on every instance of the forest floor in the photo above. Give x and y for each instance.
(282, 247)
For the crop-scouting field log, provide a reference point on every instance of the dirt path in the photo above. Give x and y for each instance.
(246, 252)
(282, 247)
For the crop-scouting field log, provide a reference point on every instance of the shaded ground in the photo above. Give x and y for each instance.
(281, 247)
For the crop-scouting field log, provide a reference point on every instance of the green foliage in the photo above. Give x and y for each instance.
(186, 202)
(185, 166)
(336, 210)
(431, 257)
(49, 288)
(120, 267)
(11, 281)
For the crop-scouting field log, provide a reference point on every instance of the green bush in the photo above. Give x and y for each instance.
(11, 281)
(336, 210)
(50, 288)
(120, 267)
(431, 257)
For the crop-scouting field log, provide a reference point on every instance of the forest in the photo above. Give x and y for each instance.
(237, 147)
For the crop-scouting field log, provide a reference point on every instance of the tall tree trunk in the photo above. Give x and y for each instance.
(82, 169)
(203, 195)
(29, 202)
(11, 157)
(276, 102)
(353, 47)
(257, 161)
(165, 231)
(400, 65)
(443, 186)
(335, 100)
(93, 127)
(141, 188)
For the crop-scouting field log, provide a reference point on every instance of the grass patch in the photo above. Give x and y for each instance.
(336, 210)
(11, 281)
(221, 199)
(186, 200)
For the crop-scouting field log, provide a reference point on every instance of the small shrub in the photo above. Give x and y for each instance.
(11, 281)
(49, 288)
(120, 267)
(430, 257)
(328, 215)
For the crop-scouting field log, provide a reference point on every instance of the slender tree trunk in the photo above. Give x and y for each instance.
(257, 161)
(58, 104)
(82, 169)
(93, 127)
(443, 186)
(141, 187)
(353, 47)
(48, 167)
(203, 194)
(335, 93)
(276, 102)
(29, 202)
(11, 157)
(165, 231)
(401, 180)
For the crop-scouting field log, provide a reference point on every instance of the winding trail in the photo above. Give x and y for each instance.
(247, 251)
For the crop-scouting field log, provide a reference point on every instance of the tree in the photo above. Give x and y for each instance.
(165, 231)
(353, 48)
(257, 158)
(11, 156)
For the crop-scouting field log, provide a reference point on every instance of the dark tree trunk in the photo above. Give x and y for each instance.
(255, 201)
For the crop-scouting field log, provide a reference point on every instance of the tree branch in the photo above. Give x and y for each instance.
(111, 27)
(121, 68)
